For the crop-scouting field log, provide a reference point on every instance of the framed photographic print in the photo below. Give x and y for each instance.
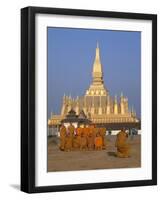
(88, 99)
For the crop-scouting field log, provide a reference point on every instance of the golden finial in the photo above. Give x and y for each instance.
(115, 98)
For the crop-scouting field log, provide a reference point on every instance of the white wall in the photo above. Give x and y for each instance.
(10, 98)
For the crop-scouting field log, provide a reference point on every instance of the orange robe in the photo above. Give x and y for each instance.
(68, 143)
(76, 142)
(98, 143)
(123, 148)
(103, 135)
(69, 138)
(79, 131)
(90, 141)
(83, 142)
(85, 131)
(62, 137)
(71, 130)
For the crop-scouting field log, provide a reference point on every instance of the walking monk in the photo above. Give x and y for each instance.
(123, 149)
(62, 137)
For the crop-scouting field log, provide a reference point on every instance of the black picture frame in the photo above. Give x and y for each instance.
(28, 98)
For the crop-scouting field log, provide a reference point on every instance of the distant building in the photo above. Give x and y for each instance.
(97, 104)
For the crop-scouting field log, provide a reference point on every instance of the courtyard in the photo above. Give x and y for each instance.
(92, 159)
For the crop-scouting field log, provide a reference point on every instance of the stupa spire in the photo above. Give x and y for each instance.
(97, 68)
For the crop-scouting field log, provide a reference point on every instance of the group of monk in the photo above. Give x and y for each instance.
(82, 138)
(91, 138)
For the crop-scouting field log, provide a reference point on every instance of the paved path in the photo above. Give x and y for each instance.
(87, 160)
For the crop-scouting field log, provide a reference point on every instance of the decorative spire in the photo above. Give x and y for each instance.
(108, 105)
(97, 68)
(115, 99)
(135, 113)
(97, 58)
(132, 110)
(115, 105)
(108, 100)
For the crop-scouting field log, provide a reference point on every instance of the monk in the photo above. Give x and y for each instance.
(98, 142)
(69, 138)
(92, 131)
(87, 130)
(83, 142)
(84, 131)
(103, 135)
(62, 137)
(71, 131)
(123, 149)
(76, 142)
(90, 141)
(68, 142)
(79, 130)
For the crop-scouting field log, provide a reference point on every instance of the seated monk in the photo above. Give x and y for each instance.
(71, 131)
(62, 137)
(85, 130)
(98, 142)
(103, 135)
(123, 149)
(79, 131)
(83, 142)
(91, 129)
(76, 142)
(68, 142)
(90, 141)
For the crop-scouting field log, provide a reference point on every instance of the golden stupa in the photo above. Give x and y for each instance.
(97, 103)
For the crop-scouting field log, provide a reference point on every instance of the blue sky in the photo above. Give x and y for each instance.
(71, 54)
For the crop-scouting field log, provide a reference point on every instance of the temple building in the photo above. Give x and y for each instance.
(80, 120)
(97, 104)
